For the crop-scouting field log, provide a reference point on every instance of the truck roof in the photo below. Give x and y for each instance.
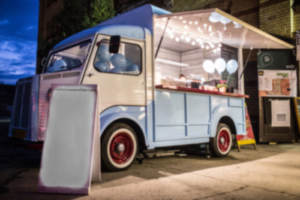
(132, 24)
(137, 22)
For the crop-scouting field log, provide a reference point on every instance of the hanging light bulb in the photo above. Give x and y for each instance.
(185, 27)
(184, 21)
(232, 66)
(208, 66)
(177, 39)
(220, 65)
(199, 29)
(209, 28)
(193, 43)
(196, 22)
(225, 28)
(180, 17)
(205, 26)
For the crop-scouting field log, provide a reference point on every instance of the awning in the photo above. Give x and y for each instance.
(214, 26)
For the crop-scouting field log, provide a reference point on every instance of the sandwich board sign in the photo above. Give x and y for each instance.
(70, 154)
(249, 138)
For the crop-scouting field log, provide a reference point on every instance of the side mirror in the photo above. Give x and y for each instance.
(44, 63)
(114, 44)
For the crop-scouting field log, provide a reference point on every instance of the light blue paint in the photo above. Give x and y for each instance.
(235, 102)
(136, 114)
(183, 118)
(141, 18)
(225, 109)
(170, 132)
(201, 102)
(185, 115)
(196, 131)
(150, 111)
(180, 142)
(169, 108)
(179, 118)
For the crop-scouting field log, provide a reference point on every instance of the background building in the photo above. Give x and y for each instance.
(278, 17)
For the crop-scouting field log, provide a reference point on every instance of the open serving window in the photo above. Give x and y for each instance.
(203, 49)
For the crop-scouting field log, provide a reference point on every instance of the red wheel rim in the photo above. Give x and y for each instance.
(121, 148)
(224, 140)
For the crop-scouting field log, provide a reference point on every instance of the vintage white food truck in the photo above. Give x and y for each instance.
(164, 80)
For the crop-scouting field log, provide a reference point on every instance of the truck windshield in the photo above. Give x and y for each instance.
(69, 58)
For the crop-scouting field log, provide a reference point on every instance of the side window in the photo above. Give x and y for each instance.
(127, 61)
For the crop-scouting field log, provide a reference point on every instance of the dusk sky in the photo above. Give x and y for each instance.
(18, 39)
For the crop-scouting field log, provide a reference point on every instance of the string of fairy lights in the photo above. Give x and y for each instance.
(205, 35)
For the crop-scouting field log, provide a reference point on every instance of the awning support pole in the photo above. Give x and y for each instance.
(161, 38)
(246, 63)
(241, 67)
(241, 63)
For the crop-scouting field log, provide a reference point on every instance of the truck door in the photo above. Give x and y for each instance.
(121, 76)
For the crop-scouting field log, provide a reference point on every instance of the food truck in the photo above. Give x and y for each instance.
(164, 80)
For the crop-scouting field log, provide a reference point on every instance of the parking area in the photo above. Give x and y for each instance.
(166, 175)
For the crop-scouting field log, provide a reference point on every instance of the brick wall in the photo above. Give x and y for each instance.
(275, 17)
(297, 21)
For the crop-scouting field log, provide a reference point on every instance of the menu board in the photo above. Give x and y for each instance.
(277, 83)
(281, 116)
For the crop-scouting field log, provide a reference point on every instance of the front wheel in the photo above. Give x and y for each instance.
(222, 143)
(118, 147)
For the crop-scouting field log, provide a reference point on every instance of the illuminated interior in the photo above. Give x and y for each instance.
(200, 49)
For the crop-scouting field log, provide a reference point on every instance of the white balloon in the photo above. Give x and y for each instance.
(208, 66)
(220, 65)
(232, 66)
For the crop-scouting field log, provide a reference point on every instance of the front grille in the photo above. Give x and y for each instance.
(47, 82)
(22, 104)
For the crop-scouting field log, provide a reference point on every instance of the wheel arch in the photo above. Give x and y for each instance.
(138, 130)
(229, 122)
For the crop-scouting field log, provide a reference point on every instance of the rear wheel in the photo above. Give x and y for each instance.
(222, 143)
(119, 147)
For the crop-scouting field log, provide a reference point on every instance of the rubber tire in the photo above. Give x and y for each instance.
(107, 163)
(214, 141)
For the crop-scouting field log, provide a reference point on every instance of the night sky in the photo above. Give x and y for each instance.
(18, 39)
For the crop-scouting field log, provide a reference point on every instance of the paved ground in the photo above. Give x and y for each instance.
(270, 172)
